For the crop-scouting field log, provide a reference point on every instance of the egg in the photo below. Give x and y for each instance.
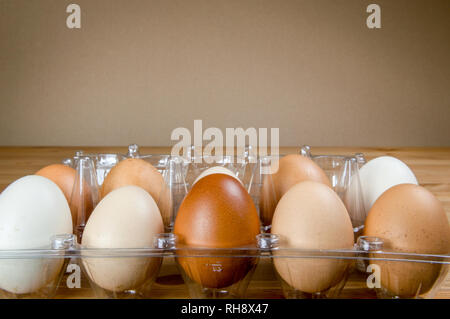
(64, 176)
(61, 175)
(127, 217)
(138, 172)
(216, 170)
(409, 219)
(32, 210)
(288, 171)
(312, 216)
(216, 213)
(381, 173)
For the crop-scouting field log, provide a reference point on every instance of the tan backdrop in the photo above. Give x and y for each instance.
(138, 69)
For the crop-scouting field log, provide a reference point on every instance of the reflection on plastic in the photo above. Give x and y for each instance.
(85, 195)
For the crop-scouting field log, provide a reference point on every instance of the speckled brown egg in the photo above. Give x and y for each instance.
(291, 169)
(411, 220)
(138, 172)
(217, 213)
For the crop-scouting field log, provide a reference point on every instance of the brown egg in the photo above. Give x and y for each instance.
(291, 169)
(409, 219)
(312, 216)
(63, 176)
(138, 172)
(217, 213)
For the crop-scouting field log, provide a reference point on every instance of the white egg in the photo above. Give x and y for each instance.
(127, 217)
(26, 276)
(380, 174)
(32, 210)
(216, 170)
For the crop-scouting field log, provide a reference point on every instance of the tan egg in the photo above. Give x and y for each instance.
(138, 172)
(291, 169)
(217, 213)
(63, 176)
(312, 216)
(128, 217)
(409, 219)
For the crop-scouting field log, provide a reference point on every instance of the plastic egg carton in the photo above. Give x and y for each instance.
(386, 270)
(34, 273)
(206, 270)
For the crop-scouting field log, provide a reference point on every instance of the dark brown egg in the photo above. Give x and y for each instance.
(287, 172)
(217, 213)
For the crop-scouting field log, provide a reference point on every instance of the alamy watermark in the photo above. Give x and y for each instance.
(239, 145)
(374, 279)
(73, 20)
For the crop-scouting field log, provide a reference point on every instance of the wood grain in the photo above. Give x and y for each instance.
(431, 166)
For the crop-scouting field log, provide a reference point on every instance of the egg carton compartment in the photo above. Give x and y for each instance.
(92, 170)
(343, 173)
(34, 273)
(398, 274)
(121, 276)
(341, 170)
(216, 274)
(105, 162)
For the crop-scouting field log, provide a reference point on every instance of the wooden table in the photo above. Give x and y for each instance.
(431, 166)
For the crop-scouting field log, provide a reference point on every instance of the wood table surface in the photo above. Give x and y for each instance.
(431, 166)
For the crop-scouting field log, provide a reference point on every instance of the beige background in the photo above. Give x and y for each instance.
(138, 69)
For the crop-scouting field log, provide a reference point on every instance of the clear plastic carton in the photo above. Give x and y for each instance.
(389, 274)
(225, 273)
(34, 273)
